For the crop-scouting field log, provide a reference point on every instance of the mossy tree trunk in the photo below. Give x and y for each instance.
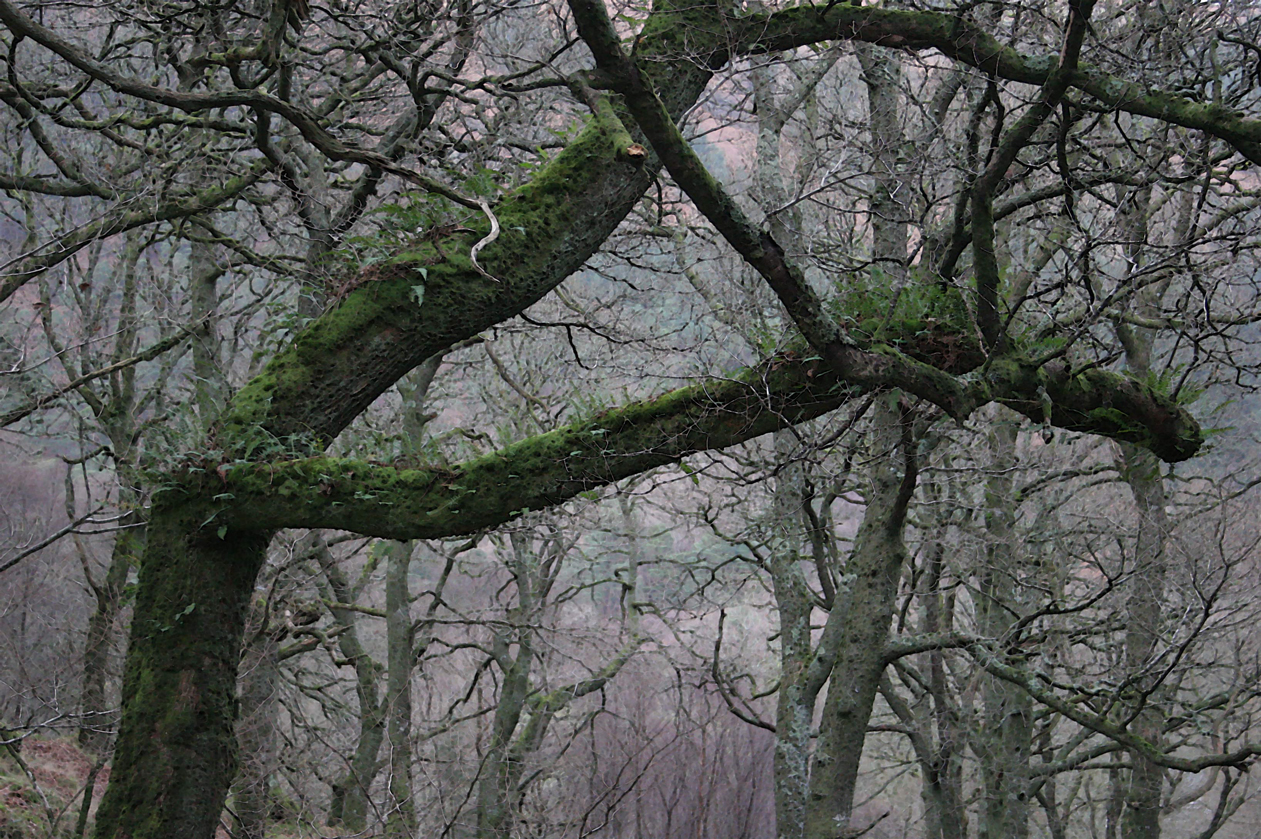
(176, 752)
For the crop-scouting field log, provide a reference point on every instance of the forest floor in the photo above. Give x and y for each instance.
(41, 788)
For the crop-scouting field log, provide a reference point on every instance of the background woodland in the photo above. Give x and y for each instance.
(565, 420)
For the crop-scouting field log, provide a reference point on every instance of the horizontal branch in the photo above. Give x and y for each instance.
(534, 474)
(549, 469)
(1239, 758)
(965, 42)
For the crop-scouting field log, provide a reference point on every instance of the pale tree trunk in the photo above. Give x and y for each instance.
(349, 805)
(1003, 742)
(799, 682)
(494, 787)
(859, 621)
(259, 709)
(400, 630)
(94, 730)
(400, 820)
(1144, 608)
(802, 675)
(1144, 616)
(939, 758)
(946, 806)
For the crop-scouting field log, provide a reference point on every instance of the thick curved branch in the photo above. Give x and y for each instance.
(531, 475)
(549, 228)
(967, 43)
(380, 500)
(1106, 403)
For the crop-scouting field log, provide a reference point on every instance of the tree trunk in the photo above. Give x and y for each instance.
(349, 804)
(400, 822)
(494, 787)
(1003, 743)
(257, 735)
(96, 727)
(864, 605)
(176, 753)
(1144, 614)
(798, 692)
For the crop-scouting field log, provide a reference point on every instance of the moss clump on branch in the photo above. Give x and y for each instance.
(925, 321)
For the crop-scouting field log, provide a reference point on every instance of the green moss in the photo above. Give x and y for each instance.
(926, 321)
(682, 27)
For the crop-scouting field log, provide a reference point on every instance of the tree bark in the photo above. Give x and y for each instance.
(260, 708)
(865, 601)
(96, 727)
(400, 822)
(349, 804)
(176, 750)
(1003, 743)
(176, 753)
(1144, 613)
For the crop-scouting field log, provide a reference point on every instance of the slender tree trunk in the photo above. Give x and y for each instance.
(95, 728)
(865, 603)
(1144, 614)
(257, 735)
(494, 787)
(349, 805)
(941, 768)
(401, 820)
(1144, 608)
(1003, 743)
(797, 696)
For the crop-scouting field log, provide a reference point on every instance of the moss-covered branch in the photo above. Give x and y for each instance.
(967, 43)
(531, 475)
(548, 469)
(549, 227)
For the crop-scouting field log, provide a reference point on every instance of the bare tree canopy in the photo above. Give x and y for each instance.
(278, 220)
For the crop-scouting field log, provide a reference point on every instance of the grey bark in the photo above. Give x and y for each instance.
(1004, 740)
(858, 626)
(256, 732)
(400, 820)
(349, 803)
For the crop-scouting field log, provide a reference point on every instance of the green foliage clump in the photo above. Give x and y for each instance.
(925, 319)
